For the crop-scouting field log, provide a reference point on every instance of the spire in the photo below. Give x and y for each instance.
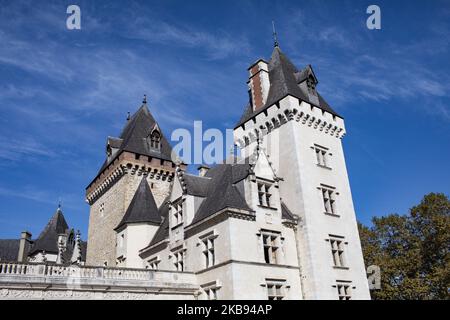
(275, 38)
(76, 254)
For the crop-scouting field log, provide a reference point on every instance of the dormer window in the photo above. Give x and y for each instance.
(264, 194)
(311, 83)
(155, 140)
(177, 214)
(108, 150)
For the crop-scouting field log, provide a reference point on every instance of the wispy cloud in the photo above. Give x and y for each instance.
(13, 150)
(353, 68)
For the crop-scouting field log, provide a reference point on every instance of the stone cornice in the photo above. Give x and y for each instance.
(289, 109)
(123, 166)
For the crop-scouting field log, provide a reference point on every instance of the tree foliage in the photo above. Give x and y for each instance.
(412, 250)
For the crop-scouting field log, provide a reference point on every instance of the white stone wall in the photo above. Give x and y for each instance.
(298, 129)
(107, 211)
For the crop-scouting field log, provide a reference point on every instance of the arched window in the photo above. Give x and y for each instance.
(155, 140)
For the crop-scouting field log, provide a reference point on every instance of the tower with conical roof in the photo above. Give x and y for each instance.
(138, 160)
(301, 134)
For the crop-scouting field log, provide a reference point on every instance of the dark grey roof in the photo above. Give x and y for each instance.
(286, 213)
(115, 142)
(163, 231)
(284, 80)
(48, 239)
(142, 207)
(195, 185)
(9, 250)
(219, 189)
(134, 138)
(222, 191)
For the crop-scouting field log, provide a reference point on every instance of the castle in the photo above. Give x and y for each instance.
(277, 222)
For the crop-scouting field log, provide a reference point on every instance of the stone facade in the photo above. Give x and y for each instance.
(298, 129)
(110, 195)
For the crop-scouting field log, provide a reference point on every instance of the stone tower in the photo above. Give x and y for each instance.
(140, 152)
(301, 134)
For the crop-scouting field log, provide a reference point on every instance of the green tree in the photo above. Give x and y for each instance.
(412, 250)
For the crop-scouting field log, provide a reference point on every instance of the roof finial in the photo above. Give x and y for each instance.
(128, 116)
(275, 38)
(59, 203)
(145, 99)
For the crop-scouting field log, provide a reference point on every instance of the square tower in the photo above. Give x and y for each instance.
(301, 135)
(141, 151)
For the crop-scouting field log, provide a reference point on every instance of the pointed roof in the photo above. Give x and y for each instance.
(284, 80)
(218, 187)
(9, 250)
(134, 138)
(286, 213)
(48, 239)
(138, 128)
(142, 207)
(163, 231)
(222, 191)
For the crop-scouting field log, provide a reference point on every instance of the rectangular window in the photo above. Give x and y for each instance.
(211, 293)
(264, 194)
(178, 261)
(270, 247)
(153, 264)
(102, 209)
(344, 292)
(275, 290)
(177, 213)
(321, 156)
(337, 251)
(329, 200)
(208, 251)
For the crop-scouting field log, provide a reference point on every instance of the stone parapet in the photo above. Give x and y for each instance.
(40, 281)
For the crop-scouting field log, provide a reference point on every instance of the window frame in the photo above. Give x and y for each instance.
(153, 261)
(328, 195)
(180, 264)
(344, 290)
(264, 189)
(178, 213)
(270, 255)
(276, 289)
(337, 245)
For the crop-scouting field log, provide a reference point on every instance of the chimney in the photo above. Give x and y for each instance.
(24, 246)
(202, 170)
(258, 84)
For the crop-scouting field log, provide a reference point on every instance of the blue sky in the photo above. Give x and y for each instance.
(63, 92)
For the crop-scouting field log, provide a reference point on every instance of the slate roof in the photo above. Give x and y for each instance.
(219, 190)
(142, 207)
(195, 185)
(222, 191)
(134, 138)
(284, 80)
(163, 231)
(286, 213)
(48, 239)
(9, 249)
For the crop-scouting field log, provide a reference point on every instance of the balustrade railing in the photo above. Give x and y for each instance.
(75, 271)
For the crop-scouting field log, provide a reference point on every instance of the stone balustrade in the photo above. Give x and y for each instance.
(86, 280)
